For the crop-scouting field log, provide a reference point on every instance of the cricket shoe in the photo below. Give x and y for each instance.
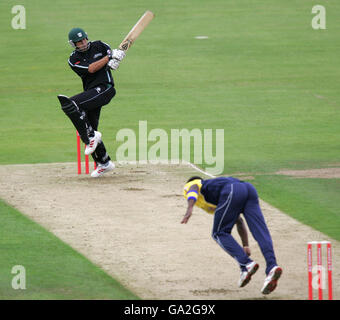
(245, 277)
(270, 282)
(102, 168)
(93, 143)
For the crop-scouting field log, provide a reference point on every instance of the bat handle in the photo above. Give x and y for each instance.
(125, 45)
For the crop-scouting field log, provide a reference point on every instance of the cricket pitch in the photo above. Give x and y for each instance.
(128, 223)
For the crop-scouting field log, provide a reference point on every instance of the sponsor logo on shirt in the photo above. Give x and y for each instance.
(97, 55)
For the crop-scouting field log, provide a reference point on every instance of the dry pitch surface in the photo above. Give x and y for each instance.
(128, 223)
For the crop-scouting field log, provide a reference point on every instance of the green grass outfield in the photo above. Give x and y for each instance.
(263, 75)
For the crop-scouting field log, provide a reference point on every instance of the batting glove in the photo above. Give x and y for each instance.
(117, 54)
(113, 64)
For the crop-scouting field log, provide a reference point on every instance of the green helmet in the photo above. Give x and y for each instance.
(75, 35)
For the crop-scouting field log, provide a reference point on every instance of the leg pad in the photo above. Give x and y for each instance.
(67, 104)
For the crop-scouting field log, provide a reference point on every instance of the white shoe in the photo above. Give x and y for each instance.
(101, 169)
(245, 277)
(93, 143)
(270, 282)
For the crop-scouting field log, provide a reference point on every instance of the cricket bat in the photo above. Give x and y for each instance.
(136, 30)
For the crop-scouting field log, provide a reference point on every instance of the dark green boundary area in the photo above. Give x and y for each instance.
(53, 269)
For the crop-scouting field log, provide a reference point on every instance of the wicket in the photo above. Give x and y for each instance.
(87, 167)
(320, 272)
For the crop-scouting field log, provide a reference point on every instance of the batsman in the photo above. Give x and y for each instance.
(92, 61)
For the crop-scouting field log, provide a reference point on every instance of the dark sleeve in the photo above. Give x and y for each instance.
(79, 67)
(105, 48)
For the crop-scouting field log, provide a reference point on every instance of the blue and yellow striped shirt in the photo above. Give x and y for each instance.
(197, 196)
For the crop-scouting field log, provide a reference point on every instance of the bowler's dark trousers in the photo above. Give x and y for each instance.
(236, 197)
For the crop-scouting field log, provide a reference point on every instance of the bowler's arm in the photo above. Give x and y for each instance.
(191, 203)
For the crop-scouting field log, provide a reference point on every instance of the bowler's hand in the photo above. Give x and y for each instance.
(187, 216)
(247, 250)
